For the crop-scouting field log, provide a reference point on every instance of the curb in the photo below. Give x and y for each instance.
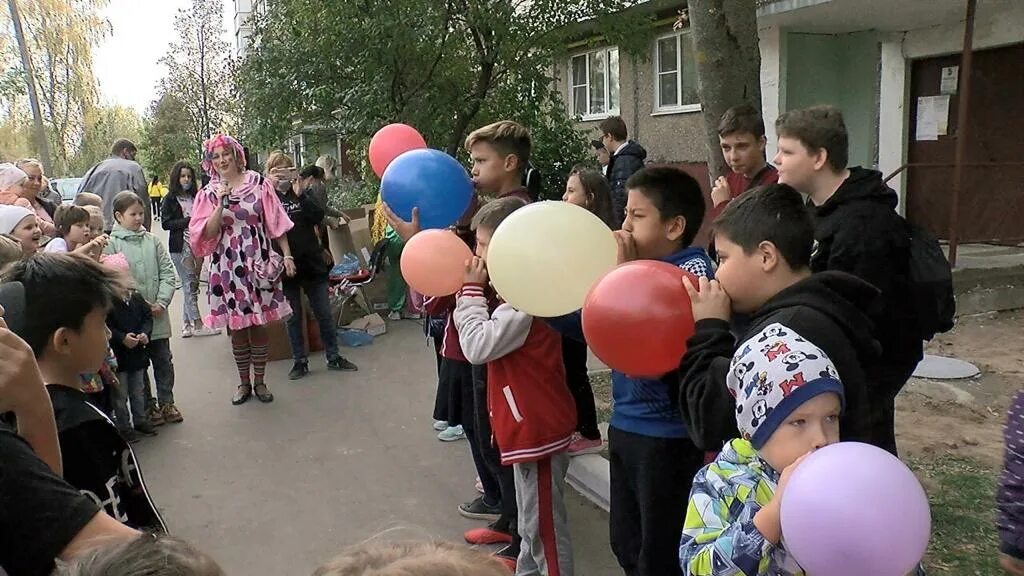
(590, 476)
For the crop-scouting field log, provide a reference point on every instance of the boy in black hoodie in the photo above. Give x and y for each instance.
(764, 241)
(856, 230)
(68, 334)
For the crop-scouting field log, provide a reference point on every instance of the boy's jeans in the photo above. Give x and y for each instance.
(131, 392)
(320, 305)
(159, 352)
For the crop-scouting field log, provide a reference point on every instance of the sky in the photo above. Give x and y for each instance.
(125, 64)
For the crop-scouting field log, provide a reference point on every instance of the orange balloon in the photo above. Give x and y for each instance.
(434, 262)
(638, 317)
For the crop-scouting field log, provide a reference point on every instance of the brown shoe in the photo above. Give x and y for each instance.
(263, 393)
(242, 394)
(156, 416)
(171, 414)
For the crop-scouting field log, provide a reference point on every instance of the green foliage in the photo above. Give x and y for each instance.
(445, 67)
(346, 193)
(168, 139)
(103, 125)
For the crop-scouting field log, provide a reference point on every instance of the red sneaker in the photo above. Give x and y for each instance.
(581, 445)
(487, 535)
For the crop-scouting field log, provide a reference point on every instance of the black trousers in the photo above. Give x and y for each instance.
(502, 476)
(650, 487)
(887, 382)
(574, 356)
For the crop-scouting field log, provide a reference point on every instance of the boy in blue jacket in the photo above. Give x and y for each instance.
(652, 460)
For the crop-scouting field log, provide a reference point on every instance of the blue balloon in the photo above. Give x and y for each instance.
(432, 181)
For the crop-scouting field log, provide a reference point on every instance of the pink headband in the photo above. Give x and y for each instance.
(221, 141)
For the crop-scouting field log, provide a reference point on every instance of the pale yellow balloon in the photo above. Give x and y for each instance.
(544, 258)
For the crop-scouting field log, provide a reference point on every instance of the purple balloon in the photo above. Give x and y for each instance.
(852, 509)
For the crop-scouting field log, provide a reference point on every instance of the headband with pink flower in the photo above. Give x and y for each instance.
(221, 141)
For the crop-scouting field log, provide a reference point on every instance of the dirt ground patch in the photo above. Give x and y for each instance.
(936, 418)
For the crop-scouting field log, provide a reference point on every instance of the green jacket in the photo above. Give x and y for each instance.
(152, 270)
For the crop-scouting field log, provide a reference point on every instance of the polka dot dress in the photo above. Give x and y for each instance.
(235, 301)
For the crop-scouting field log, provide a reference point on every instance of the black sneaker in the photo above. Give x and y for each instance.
(145, 429)
(299, 371)
(509, 555)
(340, 363)
(480, 510)
(129, 435)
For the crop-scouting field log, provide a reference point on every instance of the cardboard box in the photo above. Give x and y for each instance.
(279, 347)
(372, 324)
(361, 240)
(340, 240)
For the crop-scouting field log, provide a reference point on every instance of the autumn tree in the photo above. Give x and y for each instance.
(728, 64)
(198, 70)
(55, 41)
(102, 126)
(444, 67)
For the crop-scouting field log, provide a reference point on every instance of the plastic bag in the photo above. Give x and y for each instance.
(349, 266)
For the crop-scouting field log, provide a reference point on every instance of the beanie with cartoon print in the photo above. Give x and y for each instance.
(771, 375)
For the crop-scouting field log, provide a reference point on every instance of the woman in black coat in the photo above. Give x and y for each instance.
(175, 214)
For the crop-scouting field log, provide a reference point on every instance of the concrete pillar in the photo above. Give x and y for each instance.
(892, 115)
(773, 81)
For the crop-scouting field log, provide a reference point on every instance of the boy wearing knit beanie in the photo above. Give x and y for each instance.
(788, 402)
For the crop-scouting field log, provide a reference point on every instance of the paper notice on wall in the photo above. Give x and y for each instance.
(927, 120)
(941, 104)
(950, 76)
(932, 117)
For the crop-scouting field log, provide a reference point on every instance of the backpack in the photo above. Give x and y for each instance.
(931, 284)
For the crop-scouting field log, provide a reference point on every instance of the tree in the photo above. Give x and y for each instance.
(57, 60)
(728, 64)
(102, 127)
(165, 142)
(30, 84)
(441, 66)
(198, 70)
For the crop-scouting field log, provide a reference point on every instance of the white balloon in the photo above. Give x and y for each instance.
(544, 258)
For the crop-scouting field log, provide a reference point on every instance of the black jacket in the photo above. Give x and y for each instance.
(131, 316)
(620, 167)
(173, 219)
(828, 310)
(99, 463)
(303, 240)
(858, 231)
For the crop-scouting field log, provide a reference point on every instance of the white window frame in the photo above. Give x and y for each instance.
(678, 108)
(588, 116)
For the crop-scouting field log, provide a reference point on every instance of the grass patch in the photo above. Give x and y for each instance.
(962, 497)
(601, 383)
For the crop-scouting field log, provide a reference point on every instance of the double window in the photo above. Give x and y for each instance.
(594, 83)
(675, 85)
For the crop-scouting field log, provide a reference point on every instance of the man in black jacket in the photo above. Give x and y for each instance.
(625, 158)
(856, 230)
(764, 243)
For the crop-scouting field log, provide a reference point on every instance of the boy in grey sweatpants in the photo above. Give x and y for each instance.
(533, 414)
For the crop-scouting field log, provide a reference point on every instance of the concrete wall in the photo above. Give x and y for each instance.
(675, 137)
(898, 50)
(841, 70)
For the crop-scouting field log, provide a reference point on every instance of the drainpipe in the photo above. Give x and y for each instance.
(964, 90)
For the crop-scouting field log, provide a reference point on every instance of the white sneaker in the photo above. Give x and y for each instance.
(395, 316)
(204, 331)
(186, 332)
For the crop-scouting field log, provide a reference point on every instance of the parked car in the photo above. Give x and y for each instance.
(67, 188)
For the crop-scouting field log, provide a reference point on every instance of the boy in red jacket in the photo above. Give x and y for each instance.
(532, 412)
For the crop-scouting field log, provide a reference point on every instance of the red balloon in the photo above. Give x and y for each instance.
(638, 317)
(390, 142)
